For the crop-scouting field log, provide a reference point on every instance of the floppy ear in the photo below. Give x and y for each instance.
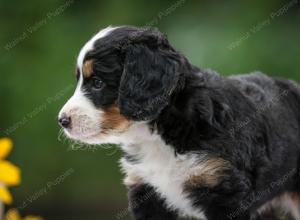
(149, 77)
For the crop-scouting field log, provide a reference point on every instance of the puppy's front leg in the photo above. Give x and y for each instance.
(145, 204)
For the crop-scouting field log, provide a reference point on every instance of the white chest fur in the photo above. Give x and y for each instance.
(158, 166)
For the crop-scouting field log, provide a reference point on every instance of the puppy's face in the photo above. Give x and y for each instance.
(122, 78)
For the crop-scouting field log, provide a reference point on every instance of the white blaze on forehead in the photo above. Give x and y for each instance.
(90, 44)
(78, 90)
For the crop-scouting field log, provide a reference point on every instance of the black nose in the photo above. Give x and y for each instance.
(65, 121)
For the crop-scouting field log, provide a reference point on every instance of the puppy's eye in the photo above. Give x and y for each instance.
(97, 83)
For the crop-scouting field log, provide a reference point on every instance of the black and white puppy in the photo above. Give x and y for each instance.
(196, 144)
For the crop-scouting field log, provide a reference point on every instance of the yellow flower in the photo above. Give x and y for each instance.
(5, 147)
(13, 214)
(9, 173)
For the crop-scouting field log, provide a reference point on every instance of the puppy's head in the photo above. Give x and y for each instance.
(125, 75)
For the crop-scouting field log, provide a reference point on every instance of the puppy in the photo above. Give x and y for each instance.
(195, 144)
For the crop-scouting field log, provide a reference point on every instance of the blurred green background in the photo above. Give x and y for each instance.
(39, 43)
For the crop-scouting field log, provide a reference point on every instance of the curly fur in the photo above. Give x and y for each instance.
(208, 146)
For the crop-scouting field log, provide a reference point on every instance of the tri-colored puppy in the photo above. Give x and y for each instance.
(196, 144)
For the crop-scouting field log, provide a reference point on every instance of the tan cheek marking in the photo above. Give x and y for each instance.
(87, 68)
(113, 120)
(207, 174)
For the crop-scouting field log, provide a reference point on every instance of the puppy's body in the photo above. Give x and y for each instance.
(196, 144)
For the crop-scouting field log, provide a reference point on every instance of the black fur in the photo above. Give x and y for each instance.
(252, 121)
(145, 204)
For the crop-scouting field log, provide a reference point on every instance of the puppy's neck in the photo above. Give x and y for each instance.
(138, 135)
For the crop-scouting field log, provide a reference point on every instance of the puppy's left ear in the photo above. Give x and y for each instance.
(150, 75)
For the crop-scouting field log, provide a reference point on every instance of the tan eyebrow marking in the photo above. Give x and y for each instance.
(87, 69)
